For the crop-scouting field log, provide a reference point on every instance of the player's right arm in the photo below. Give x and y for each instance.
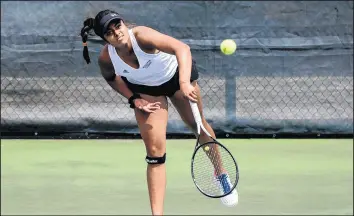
(118, 84)
(108, 73)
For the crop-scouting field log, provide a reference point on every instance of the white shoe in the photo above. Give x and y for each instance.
(225, 185)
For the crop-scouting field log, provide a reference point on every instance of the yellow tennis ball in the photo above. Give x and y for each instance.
(228, 47)
(206, 148)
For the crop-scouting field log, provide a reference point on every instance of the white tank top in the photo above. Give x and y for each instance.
(154, 69)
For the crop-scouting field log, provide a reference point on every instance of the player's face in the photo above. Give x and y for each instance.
(117, 34)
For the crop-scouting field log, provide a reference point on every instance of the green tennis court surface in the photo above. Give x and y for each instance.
(108, 177)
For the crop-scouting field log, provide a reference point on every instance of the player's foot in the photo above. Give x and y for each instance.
(225, 186)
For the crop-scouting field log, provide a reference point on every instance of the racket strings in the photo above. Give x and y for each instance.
(210, 162)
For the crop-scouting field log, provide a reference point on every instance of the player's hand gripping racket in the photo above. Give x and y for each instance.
(214, 169)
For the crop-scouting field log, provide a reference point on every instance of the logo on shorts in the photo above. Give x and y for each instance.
(125, 71)
(148, 63)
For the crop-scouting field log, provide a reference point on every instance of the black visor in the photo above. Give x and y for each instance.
(105, 21)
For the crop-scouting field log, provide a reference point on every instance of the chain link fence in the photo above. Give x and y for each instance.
(292, 72)
(261, 105)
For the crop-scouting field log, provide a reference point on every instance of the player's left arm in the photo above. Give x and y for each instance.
(151, 38)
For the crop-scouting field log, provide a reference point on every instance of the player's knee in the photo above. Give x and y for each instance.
(155, 160)
(156, 149)
(156, 152)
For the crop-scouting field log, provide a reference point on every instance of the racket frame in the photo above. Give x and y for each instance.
(200, 125)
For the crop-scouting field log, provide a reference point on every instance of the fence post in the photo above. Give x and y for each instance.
(230, 97)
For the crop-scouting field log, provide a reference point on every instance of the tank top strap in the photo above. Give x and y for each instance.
(134, 42)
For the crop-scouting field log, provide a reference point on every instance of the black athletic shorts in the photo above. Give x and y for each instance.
(168, 88)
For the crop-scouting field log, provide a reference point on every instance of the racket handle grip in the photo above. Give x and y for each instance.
(196, 114)
(198, 118)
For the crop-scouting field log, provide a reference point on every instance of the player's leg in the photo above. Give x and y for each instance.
(222, 179)
(183, 107)
(153, 131)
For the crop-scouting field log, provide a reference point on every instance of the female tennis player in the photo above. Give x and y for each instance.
(146, 67)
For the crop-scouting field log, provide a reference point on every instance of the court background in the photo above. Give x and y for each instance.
(291, 75)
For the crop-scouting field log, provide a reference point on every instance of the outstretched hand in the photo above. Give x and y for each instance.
(189, 92)
(146, 106)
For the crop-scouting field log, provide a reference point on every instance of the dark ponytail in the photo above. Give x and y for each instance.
(88, 25)
(99, 26)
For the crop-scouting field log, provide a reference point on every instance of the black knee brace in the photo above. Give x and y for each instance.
(156, 160)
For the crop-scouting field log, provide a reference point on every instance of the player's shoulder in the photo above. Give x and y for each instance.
(140, 31)
(104, 55)
(142, 35)
(105, 62)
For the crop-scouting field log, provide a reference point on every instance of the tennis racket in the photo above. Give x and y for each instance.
(214, 169)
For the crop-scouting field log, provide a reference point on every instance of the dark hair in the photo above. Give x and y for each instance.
(88, 25)
(94, 24)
